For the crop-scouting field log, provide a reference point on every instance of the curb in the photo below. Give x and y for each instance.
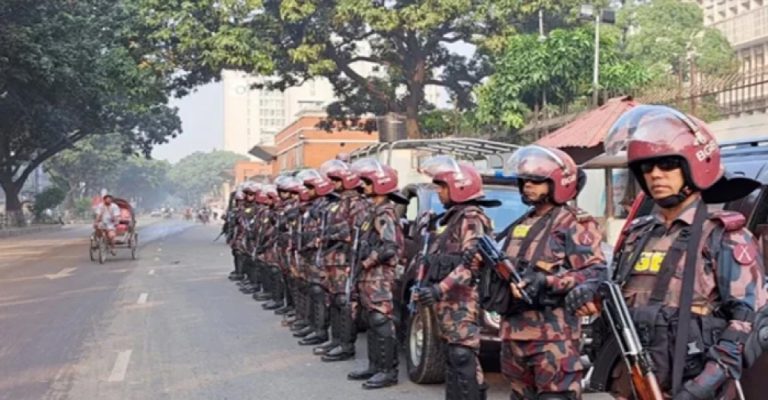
(13, 232)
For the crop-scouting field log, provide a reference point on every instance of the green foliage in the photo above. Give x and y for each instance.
(73, 69)
(82, 209)
(106, 161)
(406, 41)
(199, 174)
(48, 198)
(667, 34)
(440, 123)
(560, 69)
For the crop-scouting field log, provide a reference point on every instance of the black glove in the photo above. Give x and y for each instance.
(468, 257)
(428, 295)
(579, 296)
(535, 283)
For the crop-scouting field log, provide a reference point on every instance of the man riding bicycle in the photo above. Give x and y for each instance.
(107, 218)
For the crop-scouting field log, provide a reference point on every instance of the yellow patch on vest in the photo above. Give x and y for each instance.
(650, 261)
(366, 226)
(521, 231)
(334, 208)
(441, 229)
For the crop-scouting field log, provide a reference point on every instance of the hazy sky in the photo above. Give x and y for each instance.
(202, 120)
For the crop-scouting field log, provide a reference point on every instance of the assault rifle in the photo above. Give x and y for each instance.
(421, 274)
(638, 361)
(352, 275)
(319, 254)
(497, 260)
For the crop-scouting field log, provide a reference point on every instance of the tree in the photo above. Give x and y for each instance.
(379, 55)
(556, 72)
(47, 199)
(199, 174)
(668, 34)
(69, 70)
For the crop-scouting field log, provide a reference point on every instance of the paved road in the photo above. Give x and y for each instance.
(167, 326)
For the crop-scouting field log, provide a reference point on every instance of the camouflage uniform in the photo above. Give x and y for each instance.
(315, 274)
(381, 247)
(728, 282)
(540, 350)
(344, 216)
(242, 243)
(458, 309)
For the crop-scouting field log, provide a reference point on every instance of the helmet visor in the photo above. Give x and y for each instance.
(653, 124)
(535, 163)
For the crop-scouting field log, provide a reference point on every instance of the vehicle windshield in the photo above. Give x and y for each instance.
(511, 208)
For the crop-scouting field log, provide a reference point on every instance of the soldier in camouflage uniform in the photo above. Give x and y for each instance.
(676, 161)
(344, 221)
(294, 219)
(381, 247)
(270, 255)
(229, 228)
(315, 224)
(243, 237)
(453, 272)
(254, 265)
(554, 247)
(284, 225)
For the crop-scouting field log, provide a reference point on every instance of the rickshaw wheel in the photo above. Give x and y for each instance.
(102, 250)
(134, 245)
(92, 250)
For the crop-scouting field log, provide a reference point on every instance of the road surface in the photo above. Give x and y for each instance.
(166, 326)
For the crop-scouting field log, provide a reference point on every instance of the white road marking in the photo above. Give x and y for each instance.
(121, 366)
(151, 271)
(64, 273)
(143, 298)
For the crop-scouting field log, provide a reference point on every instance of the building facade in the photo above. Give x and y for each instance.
(744, 23)
(303, 145)
(254, 116)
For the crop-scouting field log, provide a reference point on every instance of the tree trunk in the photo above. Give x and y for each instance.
(13, 210)
(412, 121)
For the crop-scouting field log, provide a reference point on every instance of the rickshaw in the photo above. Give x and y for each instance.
(126, 236)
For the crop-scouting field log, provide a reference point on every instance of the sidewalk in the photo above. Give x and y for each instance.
(13, 232)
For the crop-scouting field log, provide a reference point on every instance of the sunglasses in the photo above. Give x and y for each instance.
(665, 164)
(536, 180)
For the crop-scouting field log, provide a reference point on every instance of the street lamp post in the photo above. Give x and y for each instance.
(607, 15)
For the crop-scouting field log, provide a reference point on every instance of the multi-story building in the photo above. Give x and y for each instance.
(253, 116)
(744, 23)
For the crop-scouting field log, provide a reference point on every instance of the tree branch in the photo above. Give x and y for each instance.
(343, 65)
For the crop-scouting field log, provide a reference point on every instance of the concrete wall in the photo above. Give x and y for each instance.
(742, 127)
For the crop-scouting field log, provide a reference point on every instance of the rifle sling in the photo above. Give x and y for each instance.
(686, 297)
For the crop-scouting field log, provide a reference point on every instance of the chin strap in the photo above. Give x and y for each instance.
(675, 199)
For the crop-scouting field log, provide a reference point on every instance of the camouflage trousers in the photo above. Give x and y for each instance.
(459, 325)
(534, 367)
(375, 295)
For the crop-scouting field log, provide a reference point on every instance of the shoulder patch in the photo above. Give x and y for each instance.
(731, 220)
(745, 253)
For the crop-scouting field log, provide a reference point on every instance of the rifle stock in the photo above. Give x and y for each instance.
(638, 361)
(352, 265)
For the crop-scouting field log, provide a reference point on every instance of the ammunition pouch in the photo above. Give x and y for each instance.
(440, 265)
(656, 328)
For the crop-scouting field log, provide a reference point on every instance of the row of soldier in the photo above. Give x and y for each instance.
(323, 247)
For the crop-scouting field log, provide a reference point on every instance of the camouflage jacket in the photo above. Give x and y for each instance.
(571, 255)
(458, 229)
(312, 225)
(344, 215)
(729, 273)
(244, 221)
(382, 243)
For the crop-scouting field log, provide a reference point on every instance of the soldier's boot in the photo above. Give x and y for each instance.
(325, 347)
(299, 324)
(461, 382)
(278, 291)
(305, 331)
(382, 331)
(347, 333)
(287, 296)
(237, 274)
(367, 373)
(320, 317)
